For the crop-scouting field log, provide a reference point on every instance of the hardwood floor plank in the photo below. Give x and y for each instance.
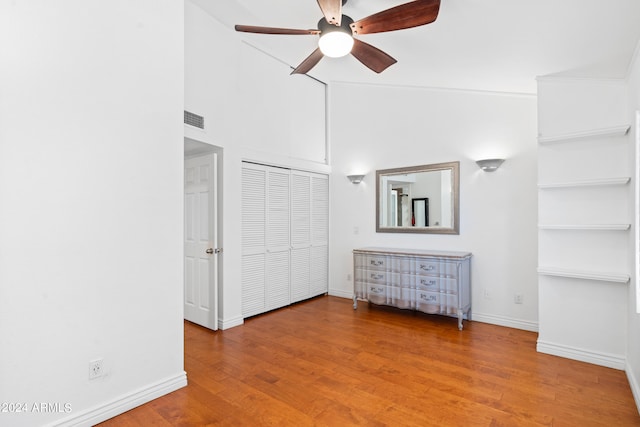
(321, 363)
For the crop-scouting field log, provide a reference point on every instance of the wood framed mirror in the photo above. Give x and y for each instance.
(419, 199)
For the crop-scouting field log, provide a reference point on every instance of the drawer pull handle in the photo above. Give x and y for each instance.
(427, 267)
(429, 298)
(377, 262)
(377, 276)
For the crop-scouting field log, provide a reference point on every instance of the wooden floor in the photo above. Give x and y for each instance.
(322, 363)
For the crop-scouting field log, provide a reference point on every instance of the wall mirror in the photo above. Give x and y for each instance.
(418, 199)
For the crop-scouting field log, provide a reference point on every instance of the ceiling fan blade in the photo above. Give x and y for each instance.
(372, 57)
(408, 15)
(270, 30)
(332, 11)
(311, 61)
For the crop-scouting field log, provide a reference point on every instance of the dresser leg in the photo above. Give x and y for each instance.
(355, 302)
(460, 319)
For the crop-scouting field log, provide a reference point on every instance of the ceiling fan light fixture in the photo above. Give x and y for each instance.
(335, 44)
(335, 41)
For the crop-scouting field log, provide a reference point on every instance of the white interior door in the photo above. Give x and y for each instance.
(200, 245)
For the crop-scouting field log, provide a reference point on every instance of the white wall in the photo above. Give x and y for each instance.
(254, 110)
(90, 206)
(633, 343)
(375, 127)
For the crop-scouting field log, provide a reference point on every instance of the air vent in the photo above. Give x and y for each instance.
(193, 120)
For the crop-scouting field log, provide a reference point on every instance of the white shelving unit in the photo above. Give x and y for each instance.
(586, 183)
(589, 134)
(584, 219)
(586, 227)
(587, 275)
(605, 134)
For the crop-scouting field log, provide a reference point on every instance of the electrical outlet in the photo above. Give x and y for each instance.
(486, 294)
(348, 277)
(95, 369)
(517, 298)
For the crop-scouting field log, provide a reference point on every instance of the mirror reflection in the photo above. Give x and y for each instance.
(418, 199)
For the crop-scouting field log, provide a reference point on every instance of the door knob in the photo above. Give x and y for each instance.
(209, 251)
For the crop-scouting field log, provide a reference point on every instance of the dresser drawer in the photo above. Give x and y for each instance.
(381, 277)
(437, 284)
(376, 262)
(437, 268)
(374, 276)
(385, 263)
(428, 302)
(377, 294)
(427, 266)
(371, 261)
(427, 283)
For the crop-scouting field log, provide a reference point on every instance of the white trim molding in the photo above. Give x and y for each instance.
(341, 294)
(615, 361)
(635, 387)
(124, 403)
(509, 322)
(230, 323)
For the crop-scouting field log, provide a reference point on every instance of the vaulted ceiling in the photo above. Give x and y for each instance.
(493, 45)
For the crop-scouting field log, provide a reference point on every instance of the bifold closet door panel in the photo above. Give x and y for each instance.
(254, 206)
(300, 274)
(300, 236)
(319, 270)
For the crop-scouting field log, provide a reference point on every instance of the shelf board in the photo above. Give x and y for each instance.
(587, 183)
(593, 133)
(587, 275)
(595, 227)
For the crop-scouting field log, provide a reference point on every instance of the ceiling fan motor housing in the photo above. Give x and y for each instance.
(345, 26)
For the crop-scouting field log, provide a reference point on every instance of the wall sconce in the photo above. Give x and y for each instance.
(489, 165)
(355, 179)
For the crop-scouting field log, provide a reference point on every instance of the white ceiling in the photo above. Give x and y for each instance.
(494, 45)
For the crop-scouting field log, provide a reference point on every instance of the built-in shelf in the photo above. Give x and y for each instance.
(595, 227)
(587, 183)
(587, 275)
(594, 133)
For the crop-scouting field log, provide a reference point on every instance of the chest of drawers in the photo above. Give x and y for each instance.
(434, 282)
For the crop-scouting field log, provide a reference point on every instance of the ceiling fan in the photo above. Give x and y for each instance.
(336, 32)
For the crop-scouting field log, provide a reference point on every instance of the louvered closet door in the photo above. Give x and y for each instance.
(285, 225)
(277, 238)
(254, 196)
(309, 234)
(300, 236)
(319, 234)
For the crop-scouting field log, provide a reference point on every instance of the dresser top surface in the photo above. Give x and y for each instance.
(413, 252)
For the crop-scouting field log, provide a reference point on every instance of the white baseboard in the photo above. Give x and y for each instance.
(509, 322)
(230, 323)
(124, 403)
(340, 293)
(635, 387)
(614, 361)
